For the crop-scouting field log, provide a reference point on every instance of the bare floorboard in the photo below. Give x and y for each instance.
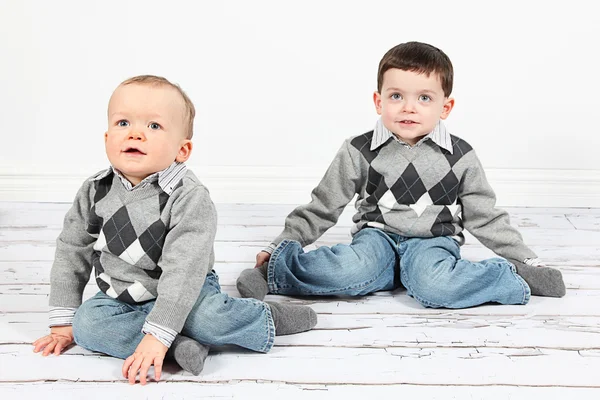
(376, 346)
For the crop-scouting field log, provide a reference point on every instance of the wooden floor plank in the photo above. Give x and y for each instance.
(321, 365)
(271, 390)
(390, 331)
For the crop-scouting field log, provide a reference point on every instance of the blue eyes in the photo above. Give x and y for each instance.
(424, 98)
(152, 125)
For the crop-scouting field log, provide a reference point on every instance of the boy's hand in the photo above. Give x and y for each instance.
(149, 352)
(262, 258)
(59, 339)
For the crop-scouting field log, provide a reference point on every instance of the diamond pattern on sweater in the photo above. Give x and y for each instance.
(445, 192)
(459, 148)
(443, 225)
(376, 186)
(135, 293)
(418, 186)
(102, 188)
(409, 187)
(119, 237)
(153, 239)
(119, 232)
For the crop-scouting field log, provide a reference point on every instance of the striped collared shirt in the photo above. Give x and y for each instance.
(167, 179)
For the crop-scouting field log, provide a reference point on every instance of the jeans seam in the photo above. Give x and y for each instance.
(524, 286)
(273, 288)
(270, 328)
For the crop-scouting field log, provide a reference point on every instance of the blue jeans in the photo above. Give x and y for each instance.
(113, 327)
(430, 269)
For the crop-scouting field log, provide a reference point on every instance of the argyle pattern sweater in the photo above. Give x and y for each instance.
(143, 244)
(420, 191)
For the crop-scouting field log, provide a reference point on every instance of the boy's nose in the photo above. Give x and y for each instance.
(136, 135)
(409, 106)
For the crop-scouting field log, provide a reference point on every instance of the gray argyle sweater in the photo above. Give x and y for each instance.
(144, 244)
(424, 191)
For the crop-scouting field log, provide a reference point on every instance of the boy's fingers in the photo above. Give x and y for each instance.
(49, 347)
(40, 340)
(41, 343)
(261, 258)
(126, 365)
(145, 367)
(132, 374)
(158, 363)
(60, 346)
(133, 371)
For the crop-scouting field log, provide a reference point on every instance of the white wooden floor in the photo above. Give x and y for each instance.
(380, 345)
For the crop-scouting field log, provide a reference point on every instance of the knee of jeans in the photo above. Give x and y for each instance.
(435, 294)
(217, 314)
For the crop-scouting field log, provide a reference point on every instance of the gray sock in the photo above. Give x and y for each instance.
(543, 281)
(253, 282)
(291, 318)
(189, 354)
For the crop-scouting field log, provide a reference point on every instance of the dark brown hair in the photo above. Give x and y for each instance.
(418, 57)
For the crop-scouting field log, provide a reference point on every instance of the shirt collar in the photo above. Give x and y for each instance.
(439, 136)
(167, 179)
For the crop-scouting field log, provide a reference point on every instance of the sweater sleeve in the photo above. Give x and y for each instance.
(338, 186)
(490, 225)
(187, 257)
(73, 257)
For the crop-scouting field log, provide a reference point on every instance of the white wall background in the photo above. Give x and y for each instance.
(279, 85)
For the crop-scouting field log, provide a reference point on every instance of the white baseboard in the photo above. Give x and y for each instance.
(292, 185)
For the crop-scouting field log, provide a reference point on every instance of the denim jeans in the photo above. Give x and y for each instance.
(110, 326)
(430, 269)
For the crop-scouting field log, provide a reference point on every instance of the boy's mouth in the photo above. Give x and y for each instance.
(407, 121)
(134, 151)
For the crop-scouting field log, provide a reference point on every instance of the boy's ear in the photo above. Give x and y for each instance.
(185, 150)
(377, 101)
(448, 106)
(105, 136)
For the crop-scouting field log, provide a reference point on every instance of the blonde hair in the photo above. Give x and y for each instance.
(190, 110)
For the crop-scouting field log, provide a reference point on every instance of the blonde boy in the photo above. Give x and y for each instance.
(147, 226)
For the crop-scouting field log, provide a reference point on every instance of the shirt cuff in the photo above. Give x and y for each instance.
(164, 335)
(534, 262)
(61, 316)
(270, 249)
